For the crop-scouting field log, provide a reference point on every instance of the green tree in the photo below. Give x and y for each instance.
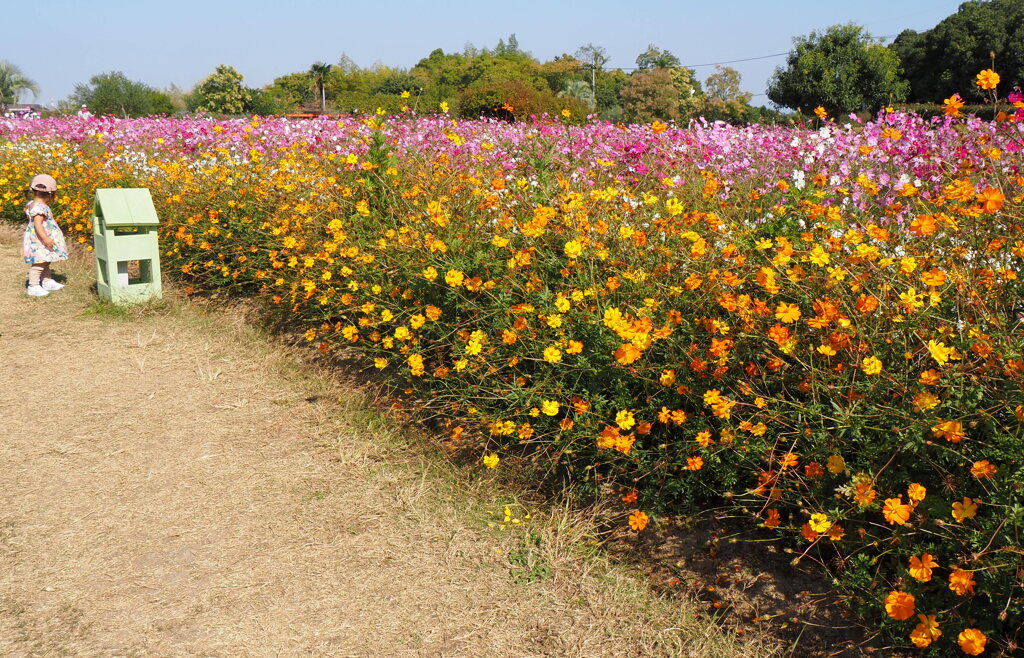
(318, 72)
(290, 91)
(724, 84)
(651, 94)
(113, 93)
(563, 69)
(945, 59)
(843, 70)
(12, 84)
(656, 58)
(221, 92)
(722, 99)
(581, 91)
(593, 58)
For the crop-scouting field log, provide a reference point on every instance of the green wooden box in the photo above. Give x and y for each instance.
(124, 226)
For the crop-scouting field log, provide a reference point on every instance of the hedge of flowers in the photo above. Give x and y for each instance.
(820, 327)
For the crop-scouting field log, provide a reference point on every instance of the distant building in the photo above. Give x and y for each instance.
(23, 109)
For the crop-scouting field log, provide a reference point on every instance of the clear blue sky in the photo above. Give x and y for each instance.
(59, 43)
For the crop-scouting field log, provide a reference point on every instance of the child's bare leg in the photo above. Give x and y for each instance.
(46, 272)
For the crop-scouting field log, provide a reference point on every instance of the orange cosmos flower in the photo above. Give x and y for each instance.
(899, 605)
(962, 582)
(638, 520)
(895, 512)
(820, 112)
(933, 277)
(924, 225)
(864, 494)
(916, 492)
(983, 470)
(771, 518)
(968, 509)
(627, 354)
(814, 470)
(925, 632)
(808, 533)
(921, 567)
(987, 79)
(951, 106)
(972, 641)
(951, 430)
(836, 532)
(991, 199)
(629, 497)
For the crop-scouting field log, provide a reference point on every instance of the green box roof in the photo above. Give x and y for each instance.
(125, 207)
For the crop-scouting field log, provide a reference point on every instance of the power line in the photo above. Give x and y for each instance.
(732, 61)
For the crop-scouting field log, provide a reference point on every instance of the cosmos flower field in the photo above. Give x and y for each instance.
(818, 328)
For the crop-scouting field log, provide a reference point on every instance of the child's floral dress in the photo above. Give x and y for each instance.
(31, 247)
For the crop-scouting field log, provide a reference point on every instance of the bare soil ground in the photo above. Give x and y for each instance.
(174, 484)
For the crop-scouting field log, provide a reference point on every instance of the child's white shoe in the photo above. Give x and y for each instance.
(51, 285)
(37, 291)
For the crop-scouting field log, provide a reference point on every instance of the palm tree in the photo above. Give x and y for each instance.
(12, 83)
(319, 71)
(580, 90)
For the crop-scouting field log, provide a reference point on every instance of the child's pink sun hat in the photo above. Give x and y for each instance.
(44, 183)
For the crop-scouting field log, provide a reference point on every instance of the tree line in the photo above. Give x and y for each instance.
(842, 69)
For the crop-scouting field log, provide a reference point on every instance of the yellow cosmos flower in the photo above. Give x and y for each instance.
(871, 365)
(787, 312)
(940, 352)
(552, 354)
(549, 407)
(819, 522)
(454, 278)
(625, 420)
(491, 460)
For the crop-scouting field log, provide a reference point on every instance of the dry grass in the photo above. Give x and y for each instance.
(176, 484)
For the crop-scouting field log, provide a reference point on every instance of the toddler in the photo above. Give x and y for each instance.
(43, 242)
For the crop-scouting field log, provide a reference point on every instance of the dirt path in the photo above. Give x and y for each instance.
(172, 485)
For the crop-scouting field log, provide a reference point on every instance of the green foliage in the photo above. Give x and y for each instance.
(656, 58)
(290, 91)
(318, 72)
(221, 92)
(527, 561)
(658, 94)
(492, 99)
(113, 93)
(843, 70)
(945, 59)
(12, 84)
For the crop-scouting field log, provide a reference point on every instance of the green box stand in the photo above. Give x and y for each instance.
(124, 226)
